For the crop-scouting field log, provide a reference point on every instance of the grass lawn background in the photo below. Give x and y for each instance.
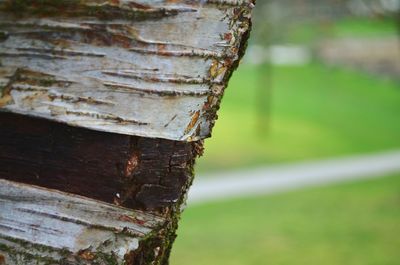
(316, 112)
(354, 27)
(354, 224)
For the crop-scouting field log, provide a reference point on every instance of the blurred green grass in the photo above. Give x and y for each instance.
(309, 32)
(316, 112)
(365, 27)
(356, 223)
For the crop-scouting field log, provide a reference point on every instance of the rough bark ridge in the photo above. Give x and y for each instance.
(39, 226)
(102, 64)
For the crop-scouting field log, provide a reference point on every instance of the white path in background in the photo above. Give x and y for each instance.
(292, 176)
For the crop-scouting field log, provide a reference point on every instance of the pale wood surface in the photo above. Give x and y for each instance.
(152, 68)
(40, 226)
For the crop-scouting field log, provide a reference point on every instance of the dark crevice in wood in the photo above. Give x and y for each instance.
(134, 172)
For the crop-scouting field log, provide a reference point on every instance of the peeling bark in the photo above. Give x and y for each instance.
(40, 226)
(110, 65)
(134, 172)
(151, 176)
(107, 99)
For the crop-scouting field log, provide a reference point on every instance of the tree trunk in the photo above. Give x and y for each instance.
(103, 108)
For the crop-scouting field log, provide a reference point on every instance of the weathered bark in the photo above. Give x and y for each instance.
(103, 64)
(134, 172)
(107, 99)
(150, 175)
(40, 226)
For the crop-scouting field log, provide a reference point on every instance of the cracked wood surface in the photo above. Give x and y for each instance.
(44, 227)
(152, 68)
(131, 171)
(108, 99)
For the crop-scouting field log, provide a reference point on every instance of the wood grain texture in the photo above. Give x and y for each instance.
(135, 172)
(44, 227)
(149, 176)
(109, 99)
(152, 68)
